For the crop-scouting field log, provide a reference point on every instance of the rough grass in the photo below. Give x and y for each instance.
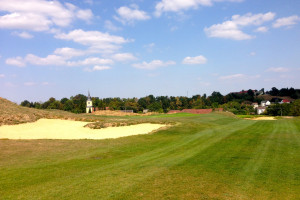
(213, 156)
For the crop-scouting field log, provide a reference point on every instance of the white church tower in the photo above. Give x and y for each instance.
(89, 104)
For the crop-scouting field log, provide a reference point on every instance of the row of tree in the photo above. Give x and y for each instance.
(238, 103)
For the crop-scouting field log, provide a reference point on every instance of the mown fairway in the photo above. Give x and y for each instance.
(210, 156)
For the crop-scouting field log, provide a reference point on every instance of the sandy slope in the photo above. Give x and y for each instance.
(65, 129)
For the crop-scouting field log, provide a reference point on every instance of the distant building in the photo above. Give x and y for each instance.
(255, 105)
(285, 101)
(261, 110)
(89, 104)
(145, 111)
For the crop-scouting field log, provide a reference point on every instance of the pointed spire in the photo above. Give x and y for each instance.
(89, 96)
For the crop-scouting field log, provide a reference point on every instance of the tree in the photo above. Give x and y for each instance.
(274, 91)
(295, 108)
(25, 103)
(216, 97)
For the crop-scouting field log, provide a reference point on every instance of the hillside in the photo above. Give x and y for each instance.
(11, 113)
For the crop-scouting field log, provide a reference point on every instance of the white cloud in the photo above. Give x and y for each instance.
(129, 15)
(278, 69)
(238, 77)
(23, 34)
(85, 15)
(179, 5)
(123, 57)
(97, 68)
(49, 60)
(39, 15)
(91, 61)
(17, 61)
(231, 29)
(262, 29)
(101, 68)
(2, 75)
(153, 64)
(110, 26)
(30, 83)
(94, 39)
(286, 21)
(69, 52)
(194, 60)
(61, 57)
(252, 53)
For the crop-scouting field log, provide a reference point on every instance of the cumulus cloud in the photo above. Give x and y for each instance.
(17, 61)
(194, 60)
(231, 29)
(39, 15)
(90, 61)
(123, 57)
(286, 21)
(262, 29)
(94, 39)
(278, 69)
(2, 75)
(69, 52)
(97, 68)
(178, 6)
(238, 77)
(24, 35)
(101, 68)
(62, 59)
(49, 60)
(127, 15)
(153, 64)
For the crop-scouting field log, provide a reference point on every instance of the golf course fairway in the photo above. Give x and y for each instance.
(212, 156)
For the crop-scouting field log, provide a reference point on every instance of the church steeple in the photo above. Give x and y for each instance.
(89, 104)
(89, 96)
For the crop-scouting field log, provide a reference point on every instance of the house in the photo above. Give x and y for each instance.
(285, 101)
(261, 110)
(265, 103)
(254, 105)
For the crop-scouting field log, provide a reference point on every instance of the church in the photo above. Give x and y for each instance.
(89, 104)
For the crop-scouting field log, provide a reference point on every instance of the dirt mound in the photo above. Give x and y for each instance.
(11, 113)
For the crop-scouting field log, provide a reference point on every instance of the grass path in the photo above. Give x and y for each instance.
(205, 157)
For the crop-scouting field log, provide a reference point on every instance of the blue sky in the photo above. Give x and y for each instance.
(135, 48)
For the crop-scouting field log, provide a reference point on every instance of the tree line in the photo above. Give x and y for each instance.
(237, 102)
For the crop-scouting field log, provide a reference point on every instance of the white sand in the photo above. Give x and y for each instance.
(65, 129)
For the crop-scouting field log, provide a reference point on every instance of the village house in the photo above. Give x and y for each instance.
(261, 110)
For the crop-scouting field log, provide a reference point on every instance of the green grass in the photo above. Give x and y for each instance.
(212, 156)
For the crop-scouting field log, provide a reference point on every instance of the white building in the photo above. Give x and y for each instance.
(89, 104)
(261, 110)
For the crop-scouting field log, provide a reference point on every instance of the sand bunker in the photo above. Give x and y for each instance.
(64, 129)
